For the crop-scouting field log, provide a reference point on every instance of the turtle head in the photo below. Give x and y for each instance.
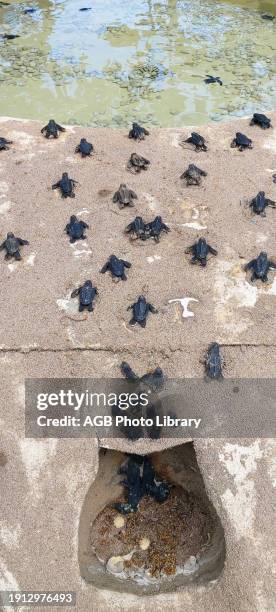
(88, 283)
(73, 219)
(158, 372)
(214, 346)
(10, 235)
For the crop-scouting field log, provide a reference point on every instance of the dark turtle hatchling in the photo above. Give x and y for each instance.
(127, 371)
(4, 144)
(268, 17)
(152, 485)
(124, 196)
(213, 362)
(262, 120)
(274, 178)
(66, 186)
(10, 36)
(211, 79)
(137, 132)
(260, 202)
(156, 227)
(12, 245)
(193, 175)
(141, 309)
(134, 486)
(52, 129)
(116, 267)
(200, 251)
(198, 141)
(85, 148)
(87, 294)
(137, 163)
(155, 379)
(241, 142)
(260, 267)
(75, 229)
(137, 228)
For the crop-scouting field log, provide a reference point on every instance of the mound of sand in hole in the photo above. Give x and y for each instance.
(177, 529)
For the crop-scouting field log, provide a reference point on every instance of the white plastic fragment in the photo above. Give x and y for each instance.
(184, 303)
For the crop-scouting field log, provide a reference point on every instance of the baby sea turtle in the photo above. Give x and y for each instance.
(200, 250)
(127, 371)
(262, 120)
(75, 229)
(241, 142)
(154, 379)
(87, 294)
(124, 196)
(193, 175)
(274, 178)
(137, 163)
(52, 129)
(10, 36)
(152, 485)
(211, 79)
(66, 186)
(4, 144)
(213, 362)
(133, 483)
(141, 309)
(137, 228)
(268, 17)
(198, 141)
(156, 227)
(12, 245)
(116, 267)
(140, 479)
(260, 202)
(137, 132)
(85, 148)
(260, 267)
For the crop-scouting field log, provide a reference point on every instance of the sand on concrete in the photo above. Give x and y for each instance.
(44, 483)
(39, 312)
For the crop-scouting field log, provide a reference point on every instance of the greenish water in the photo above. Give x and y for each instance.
(144, 60)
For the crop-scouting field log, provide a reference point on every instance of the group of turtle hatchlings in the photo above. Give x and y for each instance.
(142, 230)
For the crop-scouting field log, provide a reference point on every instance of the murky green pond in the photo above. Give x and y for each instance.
(137, 59)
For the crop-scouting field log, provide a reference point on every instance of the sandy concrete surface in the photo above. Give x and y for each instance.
(229, 309)
(43, 484)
